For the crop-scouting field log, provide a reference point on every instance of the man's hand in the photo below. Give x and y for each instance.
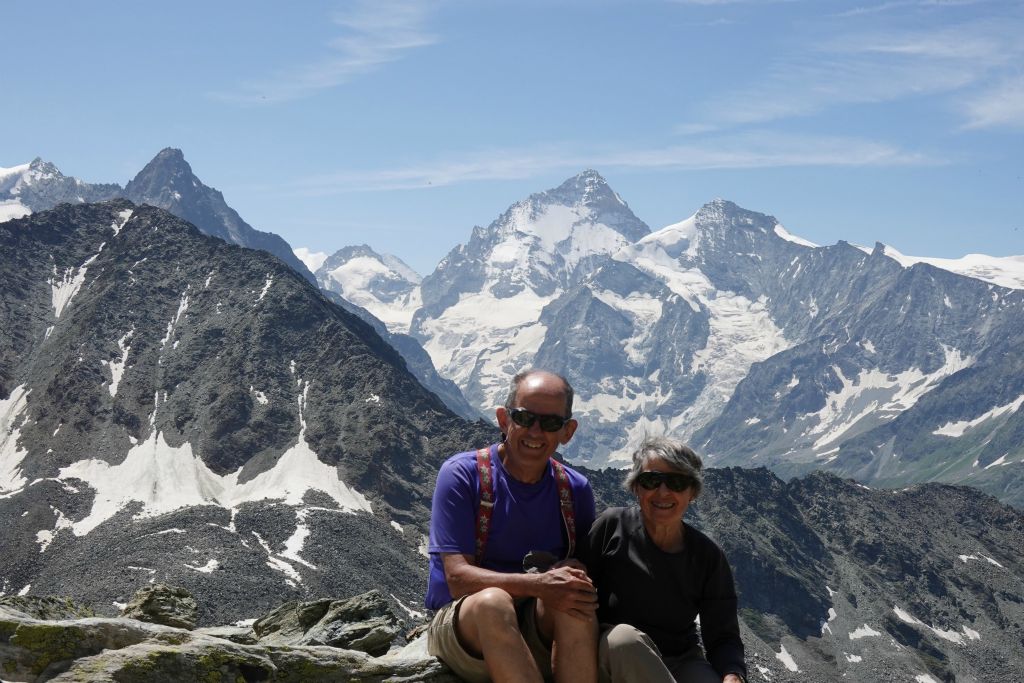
(567, 588)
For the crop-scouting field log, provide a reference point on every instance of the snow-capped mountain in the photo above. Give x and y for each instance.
(202, 407)
(365, 283)
(39, 185)
(728, 330)
(381, 283)
(479, 318)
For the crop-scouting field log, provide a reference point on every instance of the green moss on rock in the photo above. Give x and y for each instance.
(46, 644)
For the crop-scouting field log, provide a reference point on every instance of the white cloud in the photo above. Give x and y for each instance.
(1000, 106)
(730, 2)
(758, 149)
(875, 67)
(900, 4)
(374, 34)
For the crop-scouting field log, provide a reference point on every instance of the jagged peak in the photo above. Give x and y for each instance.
(167, 169)
(40, 168)
(585, 187)
(355, 250)
(170, 154)
(168, 159)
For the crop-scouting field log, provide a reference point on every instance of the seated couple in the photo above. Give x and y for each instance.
(623, 604)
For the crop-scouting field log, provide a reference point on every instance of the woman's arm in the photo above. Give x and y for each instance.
(719, 624)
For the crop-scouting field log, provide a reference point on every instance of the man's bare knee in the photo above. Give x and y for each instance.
(483, 614)
(492, 602)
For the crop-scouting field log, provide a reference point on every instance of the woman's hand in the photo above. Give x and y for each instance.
(732, 678)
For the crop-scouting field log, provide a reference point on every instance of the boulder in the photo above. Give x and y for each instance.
(163, 604)
(45, 607)
(99, 650)
(365, 623)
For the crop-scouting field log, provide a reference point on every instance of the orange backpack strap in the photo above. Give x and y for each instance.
(486, 508)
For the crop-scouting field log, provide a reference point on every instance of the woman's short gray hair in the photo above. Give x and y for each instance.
(678, 455)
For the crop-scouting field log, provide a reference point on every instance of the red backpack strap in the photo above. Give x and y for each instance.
(485, 471)
(565, 501)
(483, 514)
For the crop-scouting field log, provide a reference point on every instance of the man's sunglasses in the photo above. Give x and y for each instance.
(549, 423)
(673, 480)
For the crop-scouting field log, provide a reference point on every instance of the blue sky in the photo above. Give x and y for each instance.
(404, 124)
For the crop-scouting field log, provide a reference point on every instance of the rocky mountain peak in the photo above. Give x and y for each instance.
(40, 170)
(40, 185)
(167, 175)
(169, 183)
(585, 187)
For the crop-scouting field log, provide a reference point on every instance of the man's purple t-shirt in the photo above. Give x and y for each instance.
(526, 517)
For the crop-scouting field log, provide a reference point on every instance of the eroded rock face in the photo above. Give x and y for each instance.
(131, 651)
(46, 607)
(364, 623)
(163, 604)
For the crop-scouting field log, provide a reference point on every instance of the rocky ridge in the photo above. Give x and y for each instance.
(168, 182)
(180, 408)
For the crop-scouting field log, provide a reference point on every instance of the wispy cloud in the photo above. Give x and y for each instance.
(902, 4)
(871, 68)
(751, 150)
(372, 34)
(1002, 106)
(730, 2)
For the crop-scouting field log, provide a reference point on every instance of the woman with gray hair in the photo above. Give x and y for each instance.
(656, 574)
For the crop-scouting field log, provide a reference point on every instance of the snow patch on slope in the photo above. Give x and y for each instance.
(165, 478)
(13, 208)
(877, 395)
(64, 289)
(957, 429)
(11, 410)
(117, 367)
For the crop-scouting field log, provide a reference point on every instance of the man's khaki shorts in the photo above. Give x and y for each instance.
(443, 641)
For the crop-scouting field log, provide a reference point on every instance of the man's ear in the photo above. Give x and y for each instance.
(503, 419)
(567, 431)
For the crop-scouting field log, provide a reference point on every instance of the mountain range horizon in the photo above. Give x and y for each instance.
(178, 407)
(579, 248)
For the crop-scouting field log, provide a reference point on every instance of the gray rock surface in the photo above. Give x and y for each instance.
(163, 604)
(364, 622)
(128, 651)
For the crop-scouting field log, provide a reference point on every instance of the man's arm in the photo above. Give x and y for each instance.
(565, 589)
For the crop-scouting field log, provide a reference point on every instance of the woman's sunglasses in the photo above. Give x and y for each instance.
(549, 423)
(673, 480)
